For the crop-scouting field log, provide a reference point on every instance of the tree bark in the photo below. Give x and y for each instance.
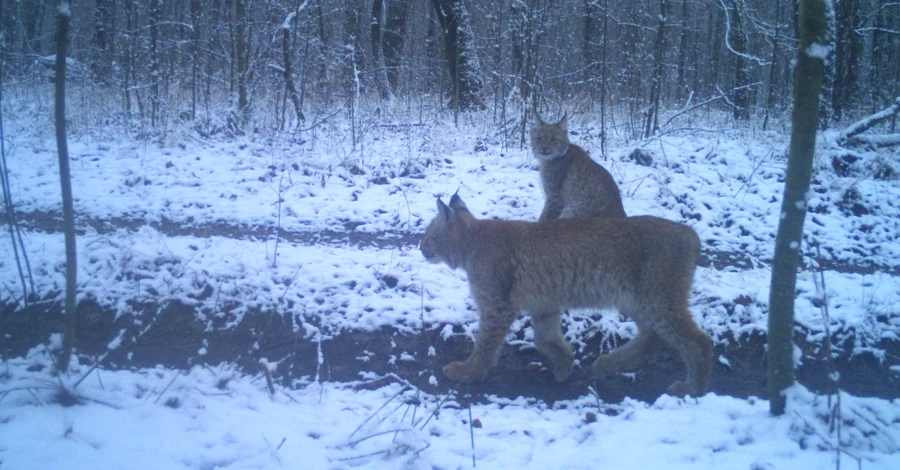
(68, 207)
(807, 86)
(102, 63)
(770, 96)
(195, 53)
(242, 60)
(394, 38)
(288, 71)
(740, 95)
(652, 123)
(845, 58)
(155, 72)
(377, 37)
(459, 54)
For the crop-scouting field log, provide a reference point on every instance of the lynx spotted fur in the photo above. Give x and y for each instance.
(643, 266)
(574, 184)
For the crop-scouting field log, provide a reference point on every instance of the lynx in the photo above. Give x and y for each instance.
(643, 266)
(574, 185)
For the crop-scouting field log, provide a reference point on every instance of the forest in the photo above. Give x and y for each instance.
(266, 66)
(214, 211)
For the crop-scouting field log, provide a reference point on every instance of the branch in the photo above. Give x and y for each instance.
(889, 140)
(852, 133)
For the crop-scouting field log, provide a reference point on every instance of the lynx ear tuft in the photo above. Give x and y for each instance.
(443, 210)
(564, 121)
(537, 116)
(457, 204)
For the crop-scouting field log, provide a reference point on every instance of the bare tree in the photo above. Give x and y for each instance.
(62, 39)
(808, 78)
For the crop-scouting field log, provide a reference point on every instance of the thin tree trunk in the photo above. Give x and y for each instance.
(242, 54)
(770, 98)
(652, 123)
(807, 86)
(155, 73)
(62, 38)
(604, 77)
(195, 53)
(288, 64)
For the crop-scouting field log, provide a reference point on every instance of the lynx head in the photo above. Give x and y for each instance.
(443, 238)
(549, 141)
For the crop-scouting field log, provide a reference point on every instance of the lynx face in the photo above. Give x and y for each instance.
(549, 141)
(443, 231)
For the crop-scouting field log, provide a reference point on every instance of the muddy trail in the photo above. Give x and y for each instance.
(172, 334)
(51, 222)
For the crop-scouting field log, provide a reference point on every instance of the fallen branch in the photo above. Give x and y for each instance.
(889, 140)
(851, 134)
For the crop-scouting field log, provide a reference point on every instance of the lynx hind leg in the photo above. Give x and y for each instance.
(628, 354)
(550, 342)
(694, 347)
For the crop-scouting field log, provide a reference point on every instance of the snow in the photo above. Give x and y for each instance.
(818, 51)
(217, 418)
(726, 184)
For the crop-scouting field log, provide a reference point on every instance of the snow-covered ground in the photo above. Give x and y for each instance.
(726, 184)
(209, 418)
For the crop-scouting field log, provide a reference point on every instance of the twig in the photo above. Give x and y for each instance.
(405, 387)
(471, 434)
(163, 392)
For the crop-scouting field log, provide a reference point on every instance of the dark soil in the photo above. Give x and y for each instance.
(172, 336)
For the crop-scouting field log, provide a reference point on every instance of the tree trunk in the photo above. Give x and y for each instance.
(288, 71)
(155, 73)
(459, 54)
(68, 207)
(770, 97)
(846, 56)
(242, 61)
(102, 63)
(807, 86)
(195, 55)
(652, 123)
(377, 37)
(682, 51)
(740, 95)
(394, 37)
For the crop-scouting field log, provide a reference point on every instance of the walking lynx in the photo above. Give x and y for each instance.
(574, 185)
(643, 266)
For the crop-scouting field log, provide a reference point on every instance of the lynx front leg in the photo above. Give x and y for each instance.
(492, 328)
(549, 340)
(553, 207)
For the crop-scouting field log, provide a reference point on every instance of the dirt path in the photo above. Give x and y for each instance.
(51, 222)
(172, 335)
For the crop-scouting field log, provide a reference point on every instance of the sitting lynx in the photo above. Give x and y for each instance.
(643, 266)
(574, 185)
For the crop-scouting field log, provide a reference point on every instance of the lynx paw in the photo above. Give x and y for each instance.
(561, 372)
(460, 372)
